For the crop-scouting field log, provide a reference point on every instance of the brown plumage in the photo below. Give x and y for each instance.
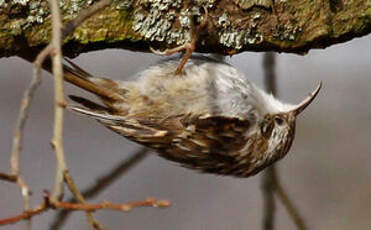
(208, 118)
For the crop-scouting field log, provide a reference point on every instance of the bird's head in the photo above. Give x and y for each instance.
(278, 127)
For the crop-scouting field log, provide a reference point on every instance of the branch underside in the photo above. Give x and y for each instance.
(232, 26)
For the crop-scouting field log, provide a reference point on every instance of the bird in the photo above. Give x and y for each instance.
(208, 117)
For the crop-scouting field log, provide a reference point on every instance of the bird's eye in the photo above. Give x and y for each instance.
(278, 120)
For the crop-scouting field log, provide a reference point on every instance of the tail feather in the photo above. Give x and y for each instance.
(88, 104)
(79, 77)
(102, 116)
(78, 69)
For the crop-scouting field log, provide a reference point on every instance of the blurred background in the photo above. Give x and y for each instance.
(327, 172)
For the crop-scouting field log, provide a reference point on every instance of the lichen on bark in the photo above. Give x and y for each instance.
(232, 25)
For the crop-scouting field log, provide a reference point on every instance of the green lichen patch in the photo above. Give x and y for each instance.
(110, 26)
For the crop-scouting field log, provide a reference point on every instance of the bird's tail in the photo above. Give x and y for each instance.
(98, 86)
(80, 78)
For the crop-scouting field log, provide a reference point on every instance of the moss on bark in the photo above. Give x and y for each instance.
(233, 26)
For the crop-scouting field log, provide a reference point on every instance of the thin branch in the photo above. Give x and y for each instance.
(271, 182)
(269, 65)
(49, 203)
(24, 216)
(18, 132)
(79, 197)
(290, 207)
(269, 174)
(125, 207)
(102, 183)
(62, 174)
(269, 207)
(24, 110)
(57, 69)
(57, 141)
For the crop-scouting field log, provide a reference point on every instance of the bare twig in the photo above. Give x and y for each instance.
(57, 141)
(269, 63)
(28, 214)
(269, 207)
(56, 42)
(18, 132)
(49, 203)
(269, 173)
(102, 183)
(149, 202)
(271, 182)
(80, 198)
(291, 209)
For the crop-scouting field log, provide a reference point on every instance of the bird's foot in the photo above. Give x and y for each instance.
(188, 47)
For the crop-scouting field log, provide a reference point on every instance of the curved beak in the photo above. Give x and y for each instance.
(302, 105)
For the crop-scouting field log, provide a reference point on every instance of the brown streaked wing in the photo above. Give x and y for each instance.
(218, 134)
(194, 142)
(210, 144)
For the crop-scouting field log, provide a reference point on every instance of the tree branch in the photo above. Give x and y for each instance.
(233, 26)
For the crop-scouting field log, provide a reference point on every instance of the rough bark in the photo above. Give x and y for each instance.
(233, 26)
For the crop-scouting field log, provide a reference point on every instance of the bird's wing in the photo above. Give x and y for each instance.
(195, 142)
(209, 143)
(218, 134)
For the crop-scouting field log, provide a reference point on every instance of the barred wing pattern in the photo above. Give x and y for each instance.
(211, 144)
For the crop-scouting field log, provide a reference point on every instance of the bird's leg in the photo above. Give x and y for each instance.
(188, 47)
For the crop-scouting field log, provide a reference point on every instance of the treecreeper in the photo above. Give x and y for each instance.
(208, 117)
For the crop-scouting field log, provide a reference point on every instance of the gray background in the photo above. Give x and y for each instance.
(327, 171)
